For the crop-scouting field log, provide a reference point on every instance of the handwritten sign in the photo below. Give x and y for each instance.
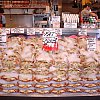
(91, 44)
(58, 31)
(70, 25)
(3, 38)
(82, 32)
(30, 31)
(3, 45)
(56, 21)
(4, 31)
(39, 30)
(50, 40)
(17, 30)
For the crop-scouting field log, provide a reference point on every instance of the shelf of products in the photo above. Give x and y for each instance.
(24, 3)
(29, 69)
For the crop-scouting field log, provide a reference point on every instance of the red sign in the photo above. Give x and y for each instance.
(50, 48)
(50, 41)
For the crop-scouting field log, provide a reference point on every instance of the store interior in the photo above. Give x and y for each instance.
(19, 13)
(49, 49)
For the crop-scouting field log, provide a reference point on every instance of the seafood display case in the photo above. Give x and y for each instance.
(50, 62)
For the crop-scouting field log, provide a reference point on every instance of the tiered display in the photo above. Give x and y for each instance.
(26, 69)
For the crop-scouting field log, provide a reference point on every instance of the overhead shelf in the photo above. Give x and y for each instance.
(23, 4)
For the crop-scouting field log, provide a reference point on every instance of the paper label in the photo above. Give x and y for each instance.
(3, 38)
(56, 21)
(4, 31)
(50, 40)
(30, 31)
(82, 32)
(17, 30)
(91, 44)
(70, 25)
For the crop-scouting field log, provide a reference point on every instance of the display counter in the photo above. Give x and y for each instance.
(49, 62)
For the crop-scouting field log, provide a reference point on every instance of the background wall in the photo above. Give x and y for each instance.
(19, 20)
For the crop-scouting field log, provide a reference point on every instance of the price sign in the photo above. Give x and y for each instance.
(70, 25)
(56, 21)
(92, 26)
(4, 31)
(49, 35)
(58, 31)
(30, 31)
(82, 32)
(3, 38)
(17, 30)
(50, 41)
(3, 45)
(39, 30)
(55, 18)
(91, 44)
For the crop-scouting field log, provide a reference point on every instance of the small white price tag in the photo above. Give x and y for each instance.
(30, 31)
(58, 31)
(70, 25)
(92, 26)
(4, 31)
(55, 18)
(91, 44)
(56, 21)
(17, 30)
(82, 32)
(3, 45)
(3, 38)
(39, 30)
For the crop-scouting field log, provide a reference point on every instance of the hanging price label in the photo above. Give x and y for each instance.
(82, 32)
(4, 31)
(56, 21)
(49, 34)
(91, 44)
(50, 47)
(17, 30)
(30, 31)
(70, 25)
(50, 41)
(3, 38)
(39, 30)
(58, 31)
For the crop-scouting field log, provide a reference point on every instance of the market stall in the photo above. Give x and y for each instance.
(45, 52)
(49, 62)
